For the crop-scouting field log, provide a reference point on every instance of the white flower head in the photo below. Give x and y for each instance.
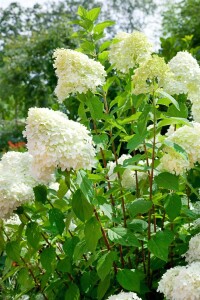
(124, 296)
(129, 50)
(186, 74)
(150, 75)
(54, 141)
(76, 72)
(188, 138)
(193, 253)
(16, 182)
(166, 284)
(186, 285)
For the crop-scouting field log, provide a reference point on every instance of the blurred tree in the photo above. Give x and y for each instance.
(28, 37)
(181, 27)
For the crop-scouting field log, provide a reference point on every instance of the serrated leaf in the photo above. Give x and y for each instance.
(92, 233)
(47, 258)
(138, 225)
(104, 265)
(82, 12)
(79, 250)
(81, 207)
(33, 234)
(173, 206)
(69, 245)
(129, 279)
(56, 218)
(99, 28)
(135, 141)
(139, 206)
(174, 112)
(63, 188)
(103, 286)
(93, 13)
(40, 193)
(72, 293)
(95, 107)
(122, 236)
(13, 250)
(159, 244)
(64, 265)
(167, 181)
(173, 101)
(142, 120)
(85, 185)
(173, 120)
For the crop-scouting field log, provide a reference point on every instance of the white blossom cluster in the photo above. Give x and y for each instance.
(76, 72)
(16, 182)
(181, 283)
(54, 141)
(187, 137)
(150, 75)
(185, 77)
(124, 296)
(193, 253)
(128, 179)
(128, 50)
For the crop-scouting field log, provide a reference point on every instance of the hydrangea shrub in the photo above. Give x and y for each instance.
(106, 206)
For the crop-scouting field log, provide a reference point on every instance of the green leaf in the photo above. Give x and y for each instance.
(173, 101)
(130, 119)
(105, 263)
(174, 112)
(85, 185)
(99, 28)
(167, 181)
(73, 292)
(173, 206)
(13, 250)
(103, 286)
(95, 107)
(69, 245)
(40, 193)
(159, 244)
(33, 234)
(177, 148)
(173, 120)
(92, 232)
(63, 188)
(138, 225)
(64, 265)
(79, 250)
(135, 141)
(129, 279)
(81, 207)
(82, 12)
(93, 13)
(48, 258)
(139, 206)
(123, 236)
(142, 120)
(56, 218)
(108, 83)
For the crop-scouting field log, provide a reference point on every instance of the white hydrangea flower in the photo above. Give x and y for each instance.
(76, 72)
(128, 50)
(186, 74)
(125, 296)
(16, 182)
(193, 253)
(166, 284)
(54, 141)
(128, 179)
(188, 137)
(13, 220)
(195, 110)
(186, 285)
(150, 75)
